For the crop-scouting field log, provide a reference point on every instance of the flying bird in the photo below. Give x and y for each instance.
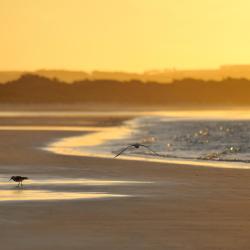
(18, 179)
(136, 145)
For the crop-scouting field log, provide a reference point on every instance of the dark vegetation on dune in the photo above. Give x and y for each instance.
(36, 89)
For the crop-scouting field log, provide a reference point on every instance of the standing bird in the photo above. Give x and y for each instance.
(18, 179)
(136, 145)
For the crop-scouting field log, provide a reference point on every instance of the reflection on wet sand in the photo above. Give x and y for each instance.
(49, 128)
(30, 195)
(77, 182)
(45, 188)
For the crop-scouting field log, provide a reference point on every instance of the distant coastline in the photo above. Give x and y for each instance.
(160, 76)
(185, 93)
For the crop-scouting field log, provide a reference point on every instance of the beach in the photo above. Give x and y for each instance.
(149, 205)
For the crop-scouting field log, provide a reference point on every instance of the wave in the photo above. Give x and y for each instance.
(208, 140)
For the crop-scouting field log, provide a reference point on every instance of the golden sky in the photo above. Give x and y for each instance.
(129, 35)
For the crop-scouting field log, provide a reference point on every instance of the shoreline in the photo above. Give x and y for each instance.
(172, 207)
(85, 145)
(98, 128)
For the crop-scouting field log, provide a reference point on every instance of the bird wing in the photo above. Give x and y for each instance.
(123, 150)
(150, 149)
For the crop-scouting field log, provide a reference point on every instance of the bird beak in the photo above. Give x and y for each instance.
(10, 179)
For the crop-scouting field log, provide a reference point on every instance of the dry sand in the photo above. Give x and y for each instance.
(182, 207)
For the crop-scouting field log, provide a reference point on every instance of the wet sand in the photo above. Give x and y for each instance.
(164, 206)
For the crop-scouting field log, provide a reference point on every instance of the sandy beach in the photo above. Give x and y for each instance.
(155, 205)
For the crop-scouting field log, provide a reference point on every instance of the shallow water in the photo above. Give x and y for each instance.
(208, 138)
(218, 140)
(211, 138)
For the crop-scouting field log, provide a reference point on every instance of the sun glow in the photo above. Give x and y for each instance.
(123, 35)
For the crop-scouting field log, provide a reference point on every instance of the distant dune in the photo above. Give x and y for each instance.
(161, 76)
(187, 92)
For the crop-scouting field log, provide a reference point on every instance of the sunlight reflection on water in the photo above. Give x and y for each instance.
(104, 141)
(165, 128)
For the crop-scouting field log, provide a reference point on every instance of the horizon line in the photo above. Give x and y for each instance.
(128, 71)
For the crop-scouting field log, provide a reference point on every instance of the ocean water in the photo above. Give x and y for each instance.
(215, 140)
(200, 137)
